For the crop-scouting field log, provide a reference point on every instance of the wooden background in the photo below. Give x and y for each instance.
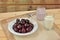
(22, 5)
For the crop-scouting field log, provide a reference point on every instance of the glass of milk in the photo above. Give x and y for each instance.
(48, 22)
(40, 13)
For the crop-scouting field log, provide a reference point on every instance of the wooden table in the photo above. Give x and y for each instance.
(3, 16)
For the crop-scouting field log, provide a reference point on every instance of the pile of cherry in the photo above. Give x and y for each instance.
(23, 26)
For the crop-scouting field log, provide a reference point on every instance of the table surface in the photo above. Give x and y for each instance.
(8, 15)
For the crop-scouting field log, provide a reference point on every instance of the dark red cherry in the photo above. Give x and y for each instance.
(23, 30)
(22, 22)
(26, 25)
(22, 19)
(20, 31)
(31, 25)
(29, 29)
(17, 20)
(19, 26)
(15, 25)
(27, 21)
(15, 29)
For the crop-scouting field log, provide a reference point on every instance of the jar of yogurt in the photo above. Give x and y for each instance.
(48, 22)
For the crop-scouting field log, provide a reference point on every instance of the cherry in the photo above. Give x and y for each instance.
(29, 29)
(14, 25)
(19, 26)
(20, 31)
(31, 24)
(26, 25)
(15, 29)
(23, 30)
(27, 21)
(17, 20)
(22, 21)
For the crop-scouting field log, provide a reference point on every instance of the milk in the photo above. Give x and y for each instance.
(48, 22)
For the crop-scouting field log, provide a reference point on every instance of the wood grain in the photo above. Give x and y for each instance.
(7, 33)
(40, 30)
(13, 14)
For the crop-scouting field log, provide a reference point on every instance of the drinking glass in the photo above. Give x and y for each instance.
(40, 13)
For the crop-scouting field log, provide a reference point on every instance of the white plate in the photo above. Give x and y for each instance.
(10, 27)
